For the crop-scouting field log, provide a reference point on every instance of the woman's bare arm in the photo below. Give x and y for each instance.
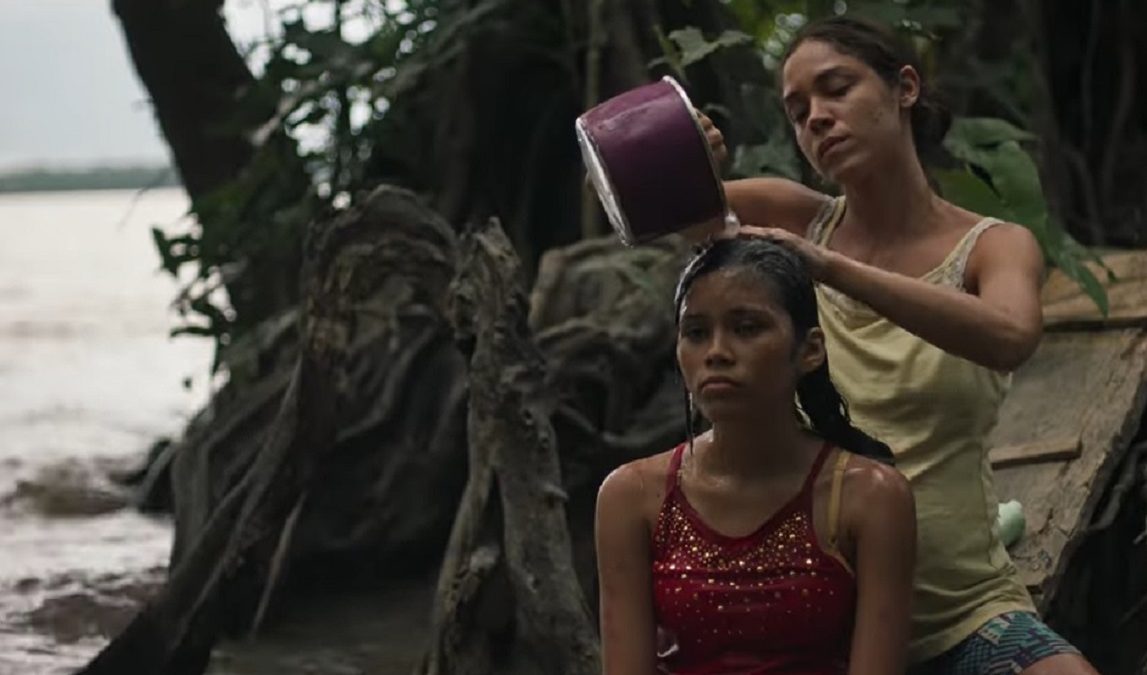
(776, 202)
(998, 324)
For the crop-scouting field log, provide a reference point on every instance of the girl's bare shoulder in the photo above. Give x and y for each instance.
(869, 484)
(640, 484)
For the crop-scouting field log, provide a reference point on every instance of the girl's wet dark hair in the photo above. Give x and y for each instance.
(783, 272)
(886, 52)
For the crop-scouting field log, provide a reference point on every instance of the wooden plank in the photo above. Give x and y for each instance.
(1066, 306)
(1056, 449)
(1127, 265)
(1092, 386)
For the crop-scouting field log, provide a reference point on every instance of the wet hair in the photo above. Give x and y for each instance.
(786, 276)
(886, 52)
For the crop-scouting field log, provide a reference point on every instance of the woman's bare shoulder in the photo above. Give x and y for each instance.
(997, 233)
(1000, 245)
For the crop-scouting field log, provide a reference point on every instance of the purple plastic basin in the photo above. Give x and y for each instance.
(650, 163)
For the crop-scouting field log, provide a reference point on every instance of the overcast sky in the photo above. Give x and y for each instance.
(69, 93)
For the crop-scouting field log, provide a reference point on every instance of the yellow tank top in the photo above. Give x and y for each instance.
(934, 410)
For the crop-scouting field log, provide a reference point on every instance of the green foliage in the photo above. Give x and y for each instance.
(692, 46)
(775, 153)
(243, 229)
(1000, 179)
(329, 87)
(239, 264)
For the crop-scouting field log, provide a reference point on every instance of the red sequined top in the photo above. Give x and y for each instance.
(772, 601)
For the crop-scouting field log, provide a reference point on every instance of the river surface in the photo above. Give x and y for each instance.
(89, 379)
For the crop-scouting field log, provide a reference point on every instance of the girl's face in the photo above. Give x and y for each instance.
(846, 118)
(737, 349)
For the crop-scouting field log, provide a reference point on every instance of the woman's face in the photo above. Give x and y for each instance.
(737, 349)
(846, 117)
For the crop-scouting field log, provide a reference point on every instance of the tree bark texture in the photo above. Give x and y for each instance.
(603, 393)
(508, 598)
(227, 569)
(400, 431)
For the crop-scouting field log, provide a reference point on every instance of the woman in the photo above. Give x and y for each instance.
(695, 574)
(925, 307)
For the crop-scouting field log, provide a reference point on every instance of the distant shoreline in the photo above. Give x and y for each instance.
(92, 178)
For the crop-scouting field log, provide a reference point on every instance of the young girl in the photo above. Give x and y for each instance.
(925, 307)
(769, 544)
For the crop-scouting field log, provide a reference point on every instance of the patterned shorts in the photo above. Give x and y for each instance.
(1005, 645)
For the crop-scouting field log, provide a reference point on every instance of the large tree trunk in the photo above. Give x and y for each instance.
(229, 571)
(508, 598)
(401, 427)
(194, 77)
(209, 107)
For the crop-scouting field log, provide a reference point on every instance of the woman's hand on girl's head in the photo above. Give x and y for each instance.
(816, 257)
